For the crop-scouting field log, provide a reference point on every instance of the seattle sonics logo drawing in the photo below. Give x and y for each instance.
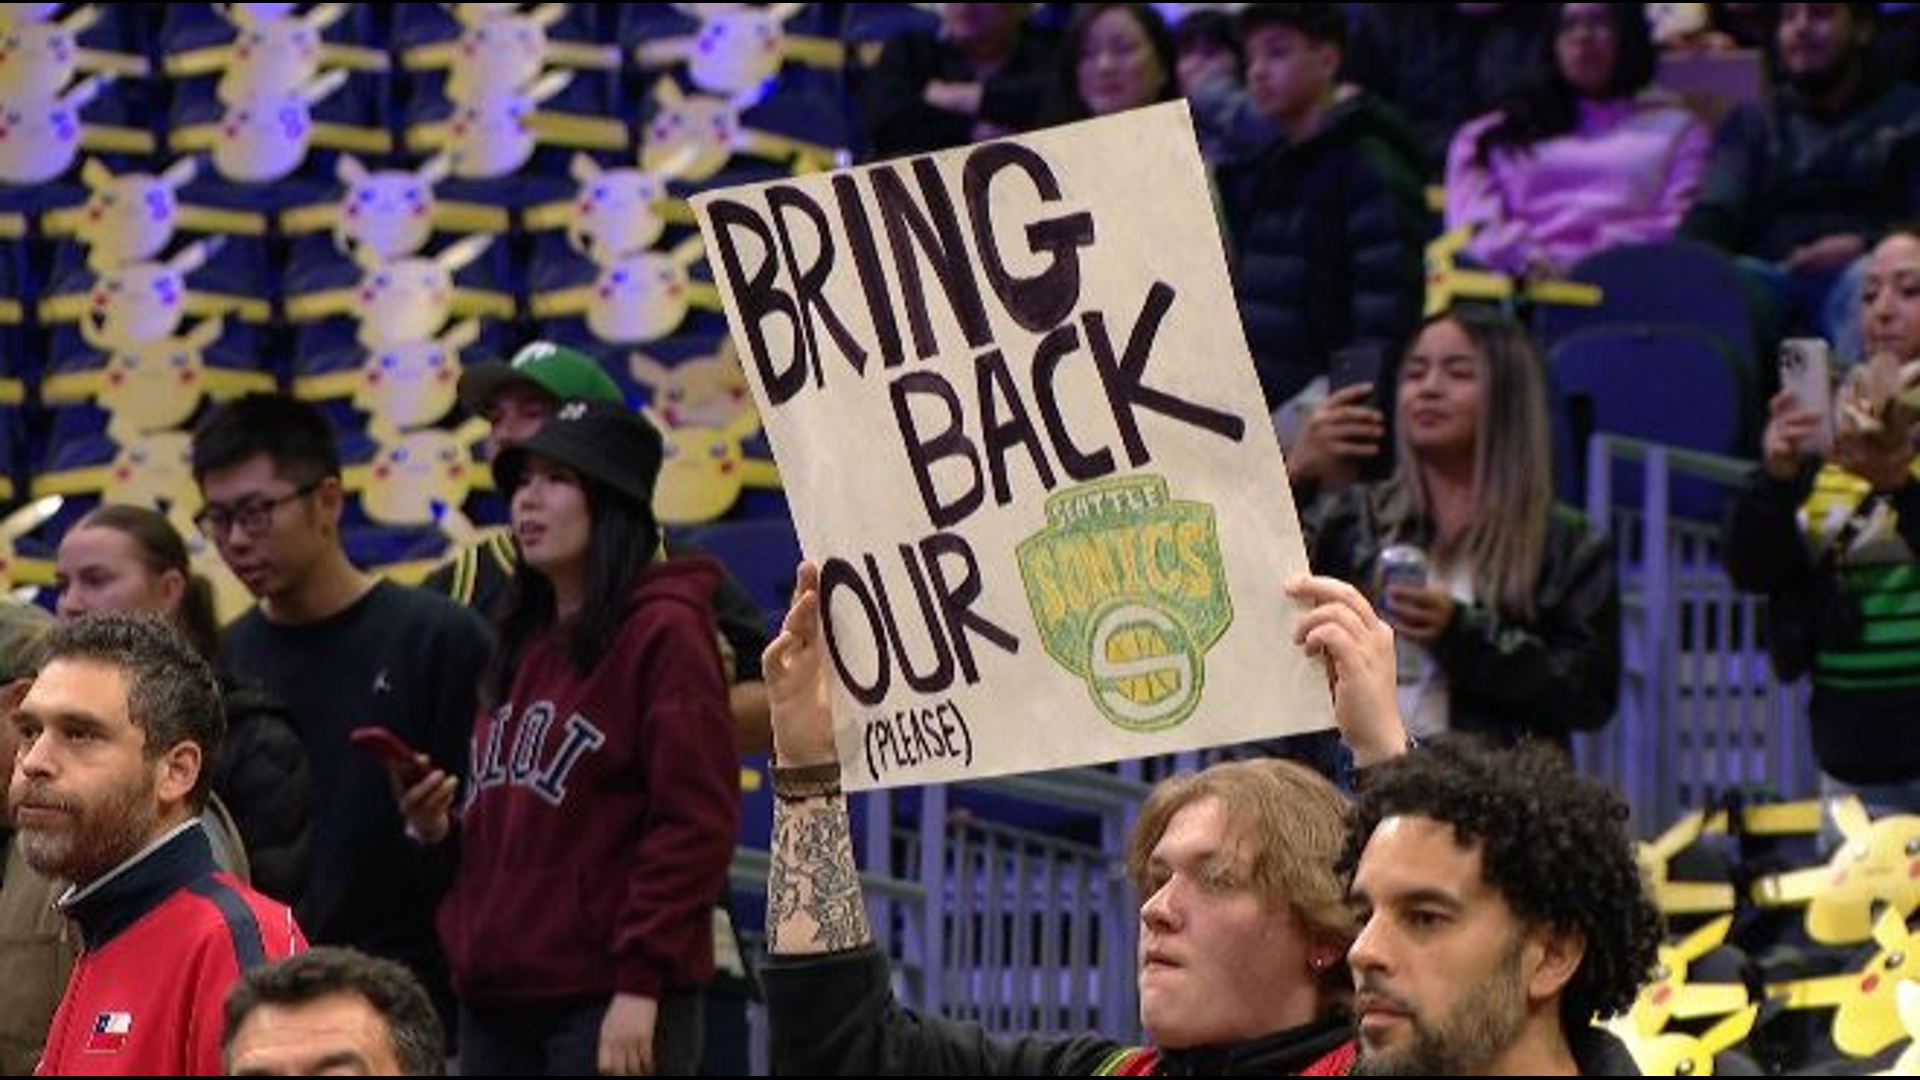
(1129, 590)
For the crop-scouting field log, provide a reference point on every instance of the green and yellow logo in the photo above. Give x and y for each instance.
(1130, 593)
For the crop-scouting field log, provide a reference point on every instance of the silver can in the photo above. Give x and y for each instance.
(1402, 564)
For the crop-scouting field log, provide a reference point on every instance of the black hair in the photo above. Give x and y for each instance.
(623, 540)
(297, 437)
(1547, 105)
(1552, 842)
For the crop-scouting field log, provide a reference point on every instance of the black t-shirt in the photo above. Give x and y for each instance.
(405, 659)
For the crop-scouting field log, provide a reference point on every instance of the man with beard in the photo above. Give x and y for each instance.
(1500, 909)
(1802, 184)
(107, 788)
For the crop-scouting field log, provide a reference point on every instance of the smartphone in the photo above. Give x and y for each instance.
(1806, 371)
(1353, 366)
(390, 750)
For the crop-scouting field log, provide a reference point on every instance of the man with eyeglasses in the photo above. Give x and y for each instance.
(343, 650)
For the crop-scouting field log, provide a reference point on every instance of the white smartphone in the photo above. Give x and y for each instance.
(1806, 370)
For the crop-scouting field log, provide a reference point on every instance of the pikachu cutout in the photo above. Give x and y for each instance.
(132, 217)
(40, 55)
(708, 391)
(1449, 283)
(406, 300)
(274, 50)
(1866, 1017)
(42, 135)
(148, 468)
(739, 47)
(1681, 897)
(276, 69)
(15, 571)
(1877, 864)
(1676, 1053)
(706, 470)
(707, 132)
(1670, 995)
(636, 298)
(615, 212)
(391, 213)
(501, 47)
(144, 301)
(495, 133)
(403, 384)
(158, 383)
(421, 478)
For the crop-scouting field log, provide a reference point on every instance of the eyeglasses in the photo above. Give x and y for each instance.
(253, 516)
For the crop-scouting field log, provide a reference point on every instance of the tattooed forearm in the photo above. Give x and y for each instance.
(813, 889)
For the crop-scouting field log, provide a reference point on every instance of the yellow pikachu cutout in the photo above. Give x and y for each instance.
(705, 471)
(1449, 283)
(638, 297)
(1681, 897)
(149, 468)
(738, 47)
(1676, 1053)
(156, 384)
(422, 477)
(1671, 996)
(400, 385)
(1866, 1020)
(14, 570)
(1878, 863)
(707, 391)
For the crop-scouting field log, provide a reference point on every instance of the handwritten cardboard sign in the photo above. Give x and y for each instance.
(1020, 430)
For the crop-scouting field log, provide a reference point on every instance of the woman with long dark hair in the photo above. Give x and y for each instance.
(1586, 158)
(600, 813)
(1514, 623)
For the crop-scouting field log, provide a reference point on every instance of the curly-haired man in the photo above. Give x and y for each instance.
(1500, 910)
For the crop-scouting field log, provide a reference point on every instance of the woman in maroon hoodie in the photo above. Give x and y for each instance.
(600, 814)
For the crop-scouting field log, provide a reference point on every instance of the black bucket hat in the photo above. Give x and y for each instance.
(600, 441)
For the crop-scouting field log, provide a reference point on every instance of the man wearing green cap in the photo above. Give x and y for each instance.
(517, 398)
(33, 948)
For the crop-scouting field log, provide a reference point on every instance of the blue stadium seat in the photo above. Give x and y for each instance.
(1672, 385)
(1678, 283)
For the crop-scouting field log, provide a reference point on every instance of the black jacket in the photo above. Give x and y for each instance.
(1782, 176)
(1441, 68)
(896, 119)
(263, 777)
(1326, 236)
(1552, 675)
(835, 1014)
(1860, 735)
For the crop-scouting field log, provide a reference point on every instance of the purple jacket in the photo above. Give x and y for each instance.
(1626, 174)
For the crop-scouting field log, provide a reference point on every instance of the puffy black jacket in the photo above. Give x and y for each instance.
(1557, 673)
(1326, 236)
(263, 777)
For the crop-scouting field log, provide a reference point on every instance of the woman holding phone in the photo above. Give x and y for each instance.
(600, 814)
(1513, 630)
(1832, 540)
